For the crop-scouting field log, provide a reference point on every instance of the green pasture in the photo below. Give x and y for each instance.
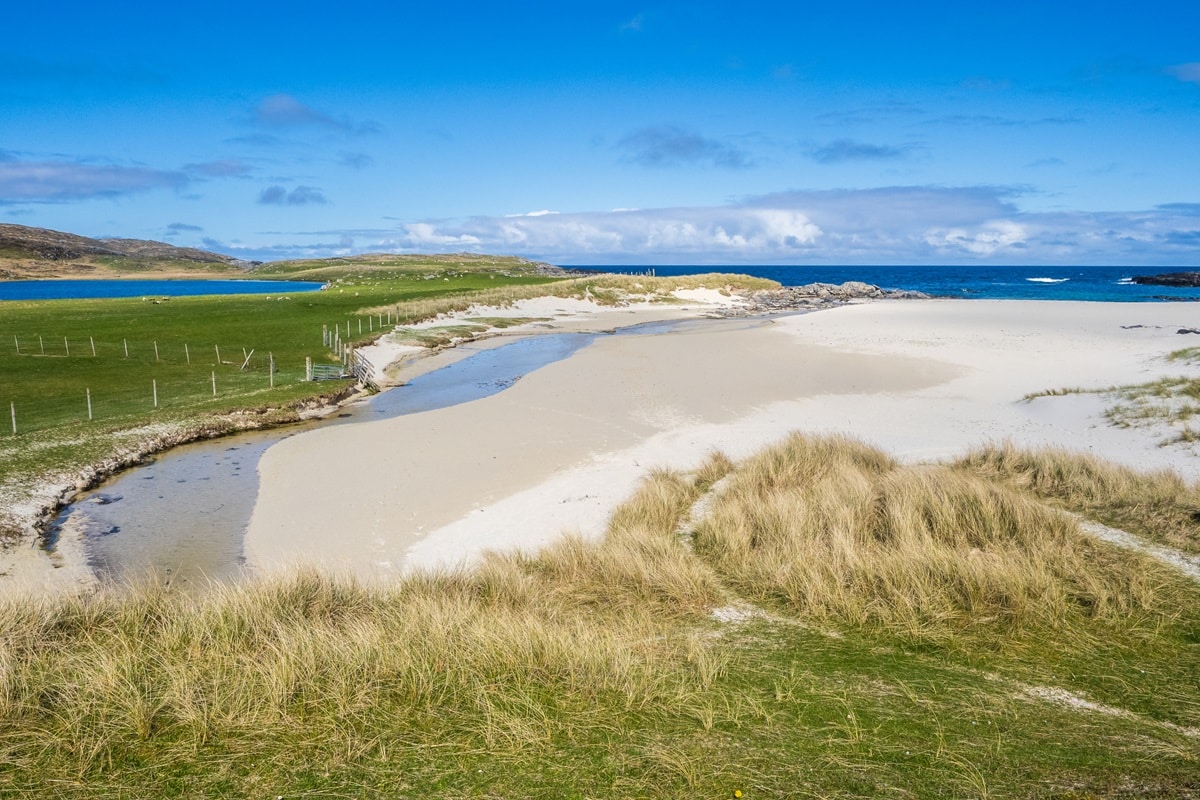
(55, 352)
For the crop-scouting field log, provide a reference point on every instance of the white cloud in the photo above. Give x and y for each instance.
(422, 234)
(890, 225)
(541, 213)
(1189, 73)
(284, 111)
(985, 240)
(65, 181)
(671, 146)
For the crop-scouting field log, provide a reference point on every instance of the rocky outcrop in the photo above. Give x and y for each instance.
(816, 295)
(1184, 279)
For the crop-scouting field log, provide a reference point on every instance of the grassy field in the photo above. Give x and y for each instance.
(816, 621)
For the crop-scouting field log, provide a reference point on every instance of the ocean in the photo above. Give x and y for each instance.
(90, 289)
(979, 282)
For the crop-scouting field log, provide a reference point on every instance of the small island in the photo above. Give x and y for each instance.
(1185, 279)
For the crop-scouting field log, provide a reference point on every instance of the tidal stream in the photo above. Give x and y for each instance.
(183, 514)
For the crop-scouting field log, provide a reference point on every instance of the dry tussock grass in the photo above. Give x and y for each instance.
(603, 289)
(1159, 505)
(837, 531)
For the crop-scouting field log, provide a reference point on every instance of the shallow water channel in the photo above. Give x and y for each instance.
(184, 514)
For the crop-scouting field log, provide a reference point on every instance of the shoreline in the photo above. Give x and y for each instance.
(567, 315)
(558, 450)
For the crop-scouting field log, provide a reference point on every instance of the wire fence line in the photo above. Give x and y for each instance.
(39, 346)
(76, 379)
(48, 382)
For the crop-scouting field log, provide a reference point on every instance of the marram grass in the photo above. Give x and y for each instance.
(904, 632)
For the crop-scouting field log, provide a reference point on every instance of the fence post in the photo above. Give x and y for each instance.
(89, 397)
(13, 407)
(271, 368)
(325, 336)
(308, 372)
(17, 342)
(156, 351)
(360, 326)
(126, 342)
(214, 380)
(187, 354)
(41, 344)
(92, 339)
(154, 383)
(218, 349)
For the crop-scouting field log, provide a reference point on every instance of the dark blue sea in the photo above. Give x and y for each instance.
(78, 290)
(982, 282)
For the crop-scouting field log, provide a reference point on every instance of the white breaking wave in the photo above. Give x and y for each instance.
(1048, 280)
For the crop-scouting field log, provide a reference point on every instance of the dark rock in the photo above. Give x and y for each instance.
(1187, 279)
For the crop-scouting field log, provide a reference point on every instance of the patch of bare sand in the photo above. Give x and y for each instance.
(559, 450)
(360, 496)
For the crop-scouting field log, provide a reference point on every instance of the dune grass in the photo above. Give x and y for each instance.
(602, 289)
(888, 631)
(1170, 403)
(1159, 506)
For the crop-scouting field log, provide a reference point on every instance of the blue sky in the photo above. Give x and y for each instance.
(613, 133)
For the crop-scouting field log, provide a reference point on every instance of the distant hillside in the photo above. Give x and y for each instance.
(41, 253)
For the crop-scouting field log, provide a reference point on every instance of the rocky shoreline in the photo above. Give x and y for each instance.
(813, 296)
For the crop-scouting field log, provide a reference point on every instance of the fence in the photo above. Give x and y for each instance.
(51, 381)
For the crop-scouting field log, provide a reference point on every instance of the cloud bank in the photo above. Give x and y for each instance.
(66, 181)
(891, 225)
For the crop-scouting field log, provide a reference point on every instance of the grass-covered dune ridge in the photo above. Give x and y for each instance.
(1160, 505)
(879, 630)
(835, 530)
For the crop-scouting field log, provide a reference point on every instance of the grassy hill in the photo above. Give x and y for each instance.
(38, 253)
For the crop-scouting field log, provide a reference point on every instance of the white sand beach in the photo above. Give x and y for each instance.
(563, 446)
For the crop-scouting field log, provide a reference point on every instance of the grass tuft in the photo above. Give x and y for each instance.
(1159, 505)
